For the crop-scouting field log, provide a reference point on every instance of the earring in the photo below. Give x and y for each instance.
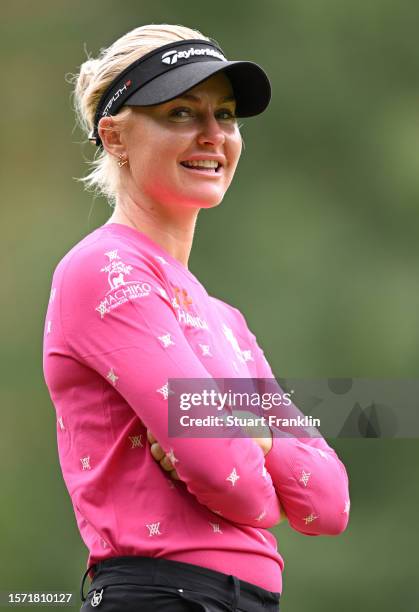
(122, 161)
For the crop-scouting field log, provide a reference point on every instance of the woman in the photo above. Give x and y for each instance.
(170, 523)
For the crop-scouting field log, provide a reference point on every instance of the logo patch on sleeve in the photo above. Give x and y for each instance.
(121, 290)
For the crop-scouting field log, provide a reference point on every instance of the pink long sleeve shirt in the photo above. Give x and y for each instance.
(123, 318)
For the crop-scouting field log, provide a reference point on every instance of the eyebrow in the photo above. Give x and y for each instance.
(196, 99)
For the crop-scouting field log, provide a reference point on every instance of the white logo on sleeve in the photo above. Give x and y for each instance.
(233, 477)
(154, 529)
(164, 390)
(216, 527)
(61, 423)
(304, 477)
(310, 518)
(112, 255)
(121, 290)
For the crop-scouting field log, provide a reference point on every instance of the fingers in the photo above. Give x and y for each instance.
(166, 464)
(159, 455)
(157, 451)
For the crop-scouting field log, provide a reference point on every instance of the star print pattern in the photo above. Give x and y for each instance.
(166, 340)
(136, 441)
(142, 346)
(304, 477)
(233, 477)
(154, 529)
(85, 462)
(164, 390)
(309, 519)
(205, 350)
(112, 377)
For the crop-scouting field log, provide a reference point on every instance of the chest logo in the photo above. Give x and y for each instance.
(182, 303)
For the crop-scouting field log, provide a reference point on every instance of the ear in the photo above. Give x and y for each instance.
(110, 135)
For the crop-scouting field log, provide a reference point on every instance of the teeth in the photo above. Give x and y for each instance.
(204, 163)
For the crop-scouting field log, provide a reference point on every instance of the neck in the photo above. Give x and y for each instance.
(173, 230)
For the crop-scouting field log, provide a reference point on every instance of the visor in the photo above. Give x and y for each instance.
(169, 71)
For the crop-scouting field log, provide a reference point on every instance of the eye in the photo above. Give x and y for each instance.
(180, 113)
(226, 115)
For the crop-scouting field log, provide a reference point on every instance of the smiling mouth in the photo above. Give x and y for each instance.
(210, 168)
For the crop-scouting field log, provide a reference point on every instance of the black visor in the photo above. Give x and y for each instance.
(170, 70)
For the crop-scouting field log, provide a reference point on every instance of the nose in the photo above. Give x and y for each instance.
(211, 133)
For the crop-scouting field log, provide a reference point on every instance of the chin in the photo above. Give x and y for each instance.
(210, 201)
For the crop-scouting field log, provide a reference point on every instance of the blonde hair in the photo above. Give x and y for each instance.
(95, 76)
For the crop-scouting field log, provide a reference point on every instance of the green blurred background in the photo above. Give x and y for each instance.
(316, 242)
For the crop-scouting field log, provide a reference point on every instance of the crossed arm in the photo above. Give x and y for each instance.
(163, 459)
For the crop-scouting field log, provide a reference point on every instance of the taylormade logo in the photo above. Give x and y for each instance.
(115, 97)
(171, 57)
